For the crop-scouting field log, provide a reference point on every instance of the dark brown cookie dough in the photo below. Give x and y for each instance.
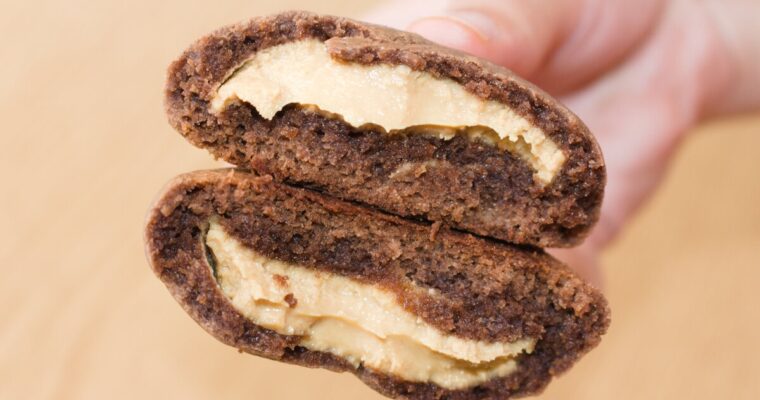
(464, 183)
(465, 286)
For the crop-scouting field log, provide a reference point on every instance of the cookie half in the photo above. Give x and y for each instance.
(389, 119)
(415, 311)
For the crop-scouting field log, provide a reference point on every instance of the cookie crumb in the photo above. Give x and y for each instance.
(434, 230)
(291, 300)
(281, 280)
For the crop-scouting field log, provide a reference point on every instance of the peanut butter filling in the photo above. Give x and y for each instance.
(393, 97)
(358, 322)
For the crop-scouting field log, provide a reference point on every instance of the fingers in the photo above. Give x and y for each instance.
(516, 33)
(560, 44)
(640, 112)
(605, 33)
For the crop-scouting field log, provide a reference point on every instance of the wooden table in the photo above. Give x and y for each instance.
(86, 147)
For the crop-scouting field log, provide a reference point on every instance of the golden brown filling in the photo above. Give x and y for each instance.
(393, 97)
(361, 323)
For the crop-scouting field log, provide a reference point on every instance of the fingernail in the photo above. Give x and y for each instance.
(460, 29)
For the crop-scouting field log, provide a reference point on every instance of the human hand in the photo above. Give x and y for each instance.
(640, 74)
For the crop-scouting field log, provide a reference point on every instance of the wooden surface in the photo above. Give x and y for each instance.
(86, 147)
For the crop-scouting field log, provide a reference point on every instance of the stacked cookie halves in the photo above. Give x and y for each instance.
(388, 210)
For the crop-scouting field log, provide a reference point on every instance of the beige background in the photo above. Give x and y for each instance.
(85, 146)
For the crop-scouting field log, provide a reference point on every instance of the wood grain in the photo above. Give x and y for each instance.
(86, 147)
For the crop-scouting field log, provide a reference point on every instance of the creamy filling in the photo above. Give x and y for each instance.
(393, 97)
(358, 322)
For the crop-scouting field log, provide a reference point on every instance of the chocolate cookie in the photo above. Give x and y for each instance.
(387, 118)
(416, 311)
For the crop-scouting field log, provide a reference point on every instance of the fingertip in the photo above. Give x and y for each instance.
(452, 32)
(477, 33)
(400, 14)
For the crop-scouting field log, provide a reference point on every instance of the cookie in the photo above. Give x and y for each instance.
(416, 311)
(386, 118)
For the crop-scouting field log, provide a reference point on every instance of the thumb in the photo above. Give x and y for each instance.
(559, 44)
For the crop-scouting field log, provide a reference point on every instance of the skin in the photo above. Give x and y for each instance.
(641, 74)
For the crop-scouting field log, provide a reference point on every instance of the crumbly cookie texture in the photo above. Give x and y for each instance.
(388, 119)
(222, 240)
